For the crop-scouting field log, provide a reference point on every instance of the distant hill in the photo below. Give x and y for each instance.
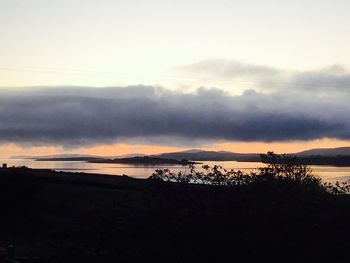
(198, 155)
(193, 155)
(323, 156)
(340, 151)
(320, 156)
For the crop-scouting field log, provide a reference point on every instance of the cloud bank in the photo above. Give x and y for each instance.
(329, 79)
(71, 116)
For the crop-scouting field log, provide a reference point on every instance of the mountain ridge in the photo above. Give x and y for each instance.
(341, 151)
(197, 155)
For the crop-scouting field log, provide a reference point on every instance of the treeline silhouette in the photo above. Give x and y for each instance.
(280, 169)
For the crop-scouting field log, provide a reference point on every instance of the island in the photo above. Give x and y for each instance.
(319, 156)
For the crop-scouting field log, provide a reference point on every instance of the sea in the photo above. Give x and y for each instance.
(327, 173)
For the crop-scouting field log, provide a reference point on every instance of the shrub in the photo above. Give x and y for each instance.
(279, 169)
(283, 167)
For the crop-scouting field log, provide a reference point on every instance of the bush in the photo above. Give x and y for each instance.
(283, 167)
(280, 169)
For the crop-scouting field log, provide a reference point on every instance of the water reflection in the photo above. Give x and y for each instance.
(328, 173)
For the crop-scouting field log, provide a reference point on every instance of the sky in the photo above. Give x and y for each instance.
(114, 77)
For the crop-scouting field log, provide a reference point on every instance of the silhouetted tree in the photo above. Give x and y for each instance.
(287, 168)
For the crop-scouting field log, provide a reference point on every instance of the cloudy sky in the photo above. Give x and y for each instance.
(112, 77)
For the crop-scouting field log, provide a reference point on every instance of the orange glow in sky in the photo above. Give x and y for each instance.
(120, 149)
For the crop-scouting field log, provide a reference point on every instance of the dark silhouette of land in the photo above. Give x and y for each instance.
(328, 156)
(324, 160)
(200, 155)
(332, 156)
(338, 151)
(78, 217)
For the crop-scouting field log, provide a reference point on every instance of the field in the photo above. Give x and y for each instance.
(69, 217)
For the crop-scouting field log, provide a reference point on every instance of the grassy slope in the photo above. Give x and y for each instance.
(62, 217)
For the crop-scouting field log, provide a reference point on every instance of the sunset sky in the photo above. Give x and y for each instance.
(114, 77)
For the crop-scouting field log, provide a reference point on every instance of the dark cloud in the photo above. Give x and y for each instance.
(72, 116)
(335, 77)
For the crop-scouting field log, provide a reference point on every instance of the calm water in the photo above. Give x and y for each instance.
(328, 173)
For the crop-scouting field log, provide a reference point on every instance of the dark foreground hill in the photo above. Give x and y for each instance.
(68, 217)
